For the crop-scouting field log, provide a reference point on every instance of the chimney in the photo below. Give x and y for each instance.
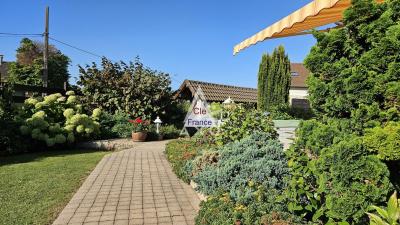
(1, 60)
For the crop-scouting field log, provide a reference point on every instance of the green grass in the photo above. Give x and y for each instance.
(35, 187)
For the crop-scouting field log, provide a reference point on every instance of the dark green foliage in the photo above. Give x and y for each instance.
(9, 131)
(28, 69)
(335, 170)
(258, 158)
(355, 70)
(242, 123)
(175, 113)
(115, 125)
(274, 79)
(262, 81)
(124, 87)
(385, 142)
(332, 175)
(169, 131)
(286, 112)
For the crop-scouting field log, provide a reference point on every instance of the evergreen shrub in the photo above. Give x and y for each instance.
(384, 141)
(333, 176)
(242, 123)
(258, 158)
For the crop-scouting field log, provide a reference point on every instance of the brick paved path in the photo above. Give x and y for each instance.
(134, 186)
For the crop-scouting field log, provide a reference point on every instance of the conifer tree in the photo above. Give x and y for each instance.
(274, 80)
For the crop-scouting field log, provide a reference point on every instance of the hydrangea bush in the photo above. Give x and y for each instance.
(57, 119)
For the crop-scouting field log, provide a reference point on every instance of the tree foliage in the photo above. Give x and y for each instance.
(274, 79)
(354, 87)
(28, 68)
(125, 87)
(355, 70)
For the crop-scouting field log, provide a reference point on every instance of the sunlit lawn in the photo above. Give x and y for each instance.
(35, 187)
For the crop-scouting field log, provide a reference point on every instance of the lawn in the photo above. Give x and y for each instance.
(35, 187)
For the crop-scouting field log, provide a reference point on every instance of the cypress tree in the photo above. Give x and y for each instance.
(262, 75)
(274, 79)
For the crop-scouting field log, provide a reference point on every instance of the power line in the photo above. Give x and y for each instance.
(76, 48)
(19, 34)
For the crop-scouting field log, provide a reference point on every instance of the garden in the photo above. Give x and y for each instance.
(343, 167)
(41, 165)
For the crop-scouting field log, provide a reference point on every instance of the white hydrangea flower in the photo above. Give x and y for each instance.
(31, 101)
(72, 99)
(68, 113)
(70, 93)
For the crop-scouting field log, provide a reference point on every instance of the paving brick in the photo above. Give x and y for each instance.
(133, 186)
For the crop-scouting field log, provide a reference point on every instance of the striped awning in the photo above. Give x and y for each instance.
(315, 14)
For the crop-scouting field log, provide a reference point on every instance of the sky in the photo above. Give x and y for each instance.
(186, 38)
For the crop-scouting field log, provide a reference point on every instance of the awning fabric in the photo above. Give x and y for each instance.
(315, 14)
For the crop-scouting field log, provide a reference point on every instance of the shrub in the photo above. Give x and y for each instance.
(286, 112)
(242, 123)
(169, 132)
(356, 67)
(122, 128)
(384, 141)
(333, 178)
(280, 112)
(10, 137)
(179, 152)
(57, 120)
(217, 210)
(130, 87)
(258, 158)
(267, 208)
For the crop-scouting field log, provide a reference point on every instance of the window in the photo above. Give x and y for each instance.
(294, 74)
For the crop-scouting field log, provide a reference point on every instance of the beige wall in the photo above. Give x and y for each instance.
(299, 93)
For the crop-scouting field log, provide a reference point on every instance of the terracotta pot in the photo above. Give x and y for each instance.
(139, 136)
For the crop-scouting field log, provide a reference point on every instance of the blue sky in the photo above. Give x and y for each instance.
(187, 39)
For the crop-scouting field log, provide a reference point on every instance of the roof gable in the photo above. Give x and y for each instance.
(219, 92)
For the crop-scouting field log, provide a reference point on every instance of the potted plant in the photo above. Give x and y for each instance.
(140, 128)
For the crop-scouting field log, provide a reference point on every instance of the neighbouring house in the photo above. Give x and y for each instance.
(220, 92)
(298, 92)
(3, 69)
(216, 92)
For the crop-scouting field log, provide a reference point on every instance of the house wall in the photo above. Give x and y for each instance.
(298, 97)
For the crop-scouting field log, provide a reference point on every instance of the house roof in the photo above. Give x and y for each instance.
(315, 14)
(299, 81)
(220, 92)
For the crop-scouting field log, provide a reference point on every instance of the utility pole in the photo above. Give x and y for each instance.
(46, 50)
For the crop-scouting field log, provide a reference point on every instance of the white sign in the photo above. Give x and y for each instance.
(199, 112)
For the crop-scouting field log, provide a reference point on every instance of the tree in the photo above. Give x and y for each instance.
(355, 70)
(28, 68)
(262, 76)
(274, 79)
(347, 159)
(125, 87)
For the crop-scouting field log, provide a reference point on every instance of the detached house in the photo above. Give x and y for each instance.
(219, 92)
